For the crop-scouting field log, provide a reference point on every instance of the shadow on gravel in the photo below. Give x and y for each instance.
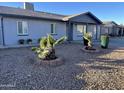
(20, 65)
(107, 61)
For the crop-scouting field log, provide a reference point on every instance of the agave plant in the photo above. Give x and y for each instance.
(46, 51)
(88, 37)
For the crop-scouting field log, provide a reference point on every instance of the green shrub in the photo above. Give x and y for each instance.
(46, 49)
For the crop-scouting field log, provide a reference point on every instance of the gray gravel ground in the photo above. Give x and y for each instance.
(19, 69)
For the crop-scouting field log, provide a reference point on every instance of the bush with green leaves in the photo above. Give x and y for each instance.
(46, 50)
(88, 37)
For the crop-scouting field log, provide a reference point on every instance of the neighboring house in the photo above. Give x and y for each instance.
(110, 27)
(16, 24)
(121, 30)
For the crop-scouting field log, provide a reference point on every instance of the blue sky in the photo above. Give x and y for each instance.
(104, 11)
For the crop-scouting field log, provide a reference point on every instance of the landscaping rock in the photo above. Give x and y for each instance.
(103, 70)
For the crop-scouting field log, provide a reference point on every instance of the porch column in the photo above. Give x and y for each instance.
(118, 30)
(86, 27)
(69, 31)
(121, 31)
(98, 31)
(1, 32)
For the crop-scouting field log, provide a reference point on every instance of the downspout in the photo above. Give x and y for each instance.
(2, 30)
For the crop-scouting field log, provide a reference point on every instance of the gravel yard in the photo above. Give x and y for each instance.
(19, 69)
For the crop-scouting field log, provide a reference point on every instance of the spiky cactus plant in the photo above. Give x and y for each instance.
(46, 51)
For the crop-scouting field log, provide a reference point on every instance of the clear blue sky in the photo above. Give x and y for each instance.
(104, 11)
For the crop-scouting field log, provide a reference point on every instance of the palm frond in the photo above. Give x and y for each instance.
(50, 41)
(34, 48)
(59, 41)
(43, 42)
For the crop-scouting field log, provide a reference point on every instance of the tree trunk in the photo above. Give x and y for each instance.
(51, 55)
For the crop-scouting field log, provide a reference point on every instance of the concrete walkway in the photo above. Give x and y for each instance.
(117, 42)
(114, 42)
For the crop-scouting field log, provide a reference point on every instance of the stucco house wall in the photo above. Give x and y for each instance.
(39, 25)
(36, 29)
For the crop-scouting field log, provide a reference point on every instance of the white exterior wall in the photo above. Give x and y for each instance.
(36, 29)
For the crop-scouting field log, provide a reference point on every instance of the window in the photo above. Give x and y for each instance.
(22, 28)
(81, 29)
(53, 28)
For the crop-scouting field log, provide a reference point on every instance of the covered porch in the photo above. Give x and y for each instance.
(85, 22)
(121, 31)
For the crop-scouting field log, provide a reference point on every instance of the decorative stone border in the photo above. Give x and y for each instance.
(52, 63)
(90, 51)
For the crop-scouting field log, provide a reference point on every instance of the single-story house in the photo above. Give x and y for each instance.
(112, 28)
(17, 23)
(121, 30)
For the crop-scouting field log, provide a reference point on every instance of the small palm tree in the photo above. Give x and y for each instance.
(88, 37)
(46, 51)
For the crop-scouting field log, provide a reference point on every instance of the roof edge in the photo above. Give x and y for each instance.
(72, 16)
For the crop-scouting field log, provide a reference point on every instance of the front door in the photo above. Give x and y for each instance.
(78, 31)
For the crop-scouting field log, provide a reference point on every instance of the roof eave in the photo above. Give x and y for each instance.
(32, 17)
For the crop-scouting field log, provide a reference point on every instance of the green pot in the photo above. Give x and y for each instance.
(104, 41)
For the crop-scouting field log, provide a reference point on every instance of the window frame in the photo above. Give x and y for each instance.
(83, 27)
(54, 29)
(23, 32)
